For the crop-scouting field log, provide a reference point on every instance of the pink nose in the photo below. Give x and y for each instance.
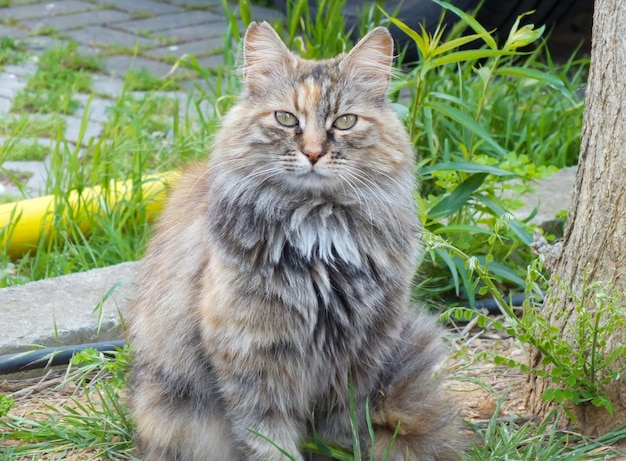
(313, 153)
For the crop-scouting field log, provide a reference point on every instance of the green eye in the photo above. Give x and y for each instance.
(345, 122)
(286, 118)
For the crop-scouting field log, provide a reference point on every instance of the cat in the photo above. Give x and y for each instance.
(276, 287)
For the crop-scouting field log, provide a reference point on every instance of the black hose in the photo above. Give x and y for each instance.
(41, 358)
(491, 305)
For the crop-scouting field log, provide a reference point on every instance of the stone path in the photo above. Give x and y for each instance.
(123, 34)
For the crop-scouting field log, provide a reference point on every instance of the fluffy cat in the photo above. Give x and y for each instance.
(279, 276)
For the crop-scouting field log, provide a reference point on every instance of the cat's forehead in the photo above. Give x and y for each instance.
(319, 71)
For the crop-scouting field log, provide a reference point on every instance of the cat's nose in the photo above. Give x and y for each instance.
(313, 153)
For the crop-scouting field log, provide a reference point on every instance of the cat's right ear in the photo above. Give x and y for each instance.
(265, 56)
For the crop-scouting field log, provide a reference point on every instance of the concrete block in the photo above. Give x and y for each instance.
(148, 6)
(197, 48)
(77, 20)
(120, 64)
(13, 32)
(10, 85)
(45, 9)
(107, 86)
(551, 195)
(193, 33)
(73, 309)
(102, 36)
(5, 106)
(170, 21)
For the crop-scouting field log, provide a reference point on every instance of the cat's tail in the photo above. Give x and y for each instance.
(411, 400)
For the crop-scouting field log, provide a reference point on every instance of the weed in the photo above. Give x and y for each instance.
(11, 51)
(141, 14)
(47, 126)
(48, 31)
(143, 80)
(62, 72)
(580, 358)
(23, 151)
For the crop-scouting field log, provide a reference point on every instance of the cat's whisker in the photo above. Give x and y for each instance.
(376, 192)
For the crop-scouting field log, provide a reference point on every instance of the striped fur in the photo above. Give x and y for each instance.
(281, 272)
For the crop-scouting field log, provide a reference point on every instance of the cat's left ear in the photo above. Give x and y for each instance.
(266, 58)
(371, 59)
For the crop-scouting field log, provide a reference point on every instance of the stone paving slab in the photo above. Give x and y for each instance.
(118, 65)
(77, 20)
(100, 36)
(13, 32)
(5, 105)
(66, 310)
(153, 7)
(197, 48)
(45, 9)
(10, 85)
(170, 21)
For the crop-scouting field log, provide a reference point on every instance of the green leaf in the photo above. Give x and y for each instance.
(502, 271)
(466, 167)
(514, 225)
(467, 122)
(534, 74)
(471, 22)
(457, 198)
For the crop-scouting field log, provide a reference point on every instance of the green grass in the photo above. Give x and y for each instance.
(28, 150)
(143, 80)
(61, 73)
(11, 51)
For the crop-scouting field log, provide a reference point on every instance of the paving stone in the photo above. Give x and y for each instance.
(78, 20)
(107, 85)
(21, 70)
(39, 44)
(10, 84)
(74, 127)
(193, 33)
(169, 21)
(118, 65)
(62, 310)
(150, 6)
(5, 106)
(202, 3)
(552, 195)
(98, 108)
(45, 9)
(197, 48)
(13, 32)
(210, 62)
(260, 13)
(37, 182)
(97, 35)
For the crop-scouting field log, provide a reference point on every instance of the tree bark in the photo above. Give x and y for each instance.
(595, 236)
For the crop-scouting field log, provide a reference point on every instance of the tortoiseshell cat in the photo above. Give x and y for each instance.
(280, 273)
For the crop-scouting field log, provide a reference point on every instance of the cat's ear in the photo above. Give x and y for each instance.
(266, 58)
(371, 59)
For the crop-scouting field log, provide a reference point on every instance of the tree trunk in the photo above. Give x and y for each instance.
(595, 236)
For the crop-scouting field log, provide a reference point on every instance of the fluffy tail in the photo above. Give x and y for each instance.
(411, 399)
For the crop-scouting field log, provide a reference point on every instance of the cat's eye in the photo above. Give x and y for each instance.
(286, 118)
(345, 122)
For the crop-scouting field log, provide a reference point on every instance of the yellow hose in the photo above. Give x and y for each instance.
(23, 224)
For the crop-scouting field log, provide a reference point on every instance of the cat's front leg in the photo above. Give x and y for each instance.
(266, 421)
